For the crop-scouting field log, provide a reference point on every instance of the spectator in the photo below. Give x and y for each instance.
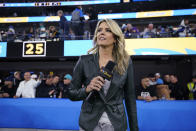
(30, 34)
(56, 80)
(162, 88)
(77, 22)
(163, 32)
(184, 29)
(27, 87)
(166, 79)
(66, 81)
(159, 81)
(193, 31)
(1, 87)
(64, 25)
(1, 81)
(11, 30)
(146, 91)
(93, 19)
(11, 33)
(176, 88)
(8, 91)
(1, 91)
(56, 86)
(152, 79)
(87, 34)
(4, 35)
(71, 34)
(131, 32)
(45, 89)
(42, 33)
(171, 31)
(192, 88)
(16, 79)
(149, 32)
(123, 27)
(53, 33)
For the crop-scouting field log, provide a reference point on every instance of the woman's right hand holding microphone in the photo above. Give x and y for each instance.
(95, 84)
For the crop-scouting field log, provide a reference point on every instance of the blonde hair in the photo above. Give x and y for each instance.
(119, 53)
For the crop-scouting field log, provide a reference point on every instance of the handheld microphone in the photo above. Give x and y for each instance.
(106, 73)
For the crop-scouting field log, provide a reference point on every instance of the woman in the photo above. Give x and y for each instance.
(105, 111)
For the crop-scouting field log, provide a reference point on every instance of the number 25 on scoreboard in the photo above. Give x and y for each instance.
(34, 48)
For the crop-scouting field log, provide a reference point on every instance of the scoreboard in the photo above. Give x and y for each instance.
(72, 48)
(34, 49)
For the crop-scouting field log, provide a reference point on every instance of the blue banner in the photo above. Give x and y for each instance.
(130, 15)
(63, 114)
(117, 16)
(77, 47)
(184, 12)
(148, 46)
(3, 49)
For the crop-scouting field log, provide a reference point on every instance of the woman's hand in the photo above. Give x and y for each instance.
(95, 84)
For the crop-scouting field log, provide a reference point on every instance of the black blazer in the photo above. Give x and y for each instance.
(121, 87)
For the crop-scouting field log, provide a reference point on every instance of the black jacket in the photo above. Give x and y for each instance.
(121, 87)
(43, 90)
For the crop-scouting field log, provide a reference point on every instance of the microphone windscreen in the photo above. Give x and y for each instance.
(110, 66)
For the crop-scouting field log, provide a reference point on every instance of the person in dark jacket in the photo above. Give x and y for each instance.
(103, 110)
(93, 19)
(177, 91)
(64, 25)
(45, 89)
(65, 85)
(17, 79)
(7, 90)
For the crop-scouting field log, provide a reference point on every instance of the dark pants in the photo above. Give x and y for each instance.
(92, 24)
(78, 29)
(64, 31)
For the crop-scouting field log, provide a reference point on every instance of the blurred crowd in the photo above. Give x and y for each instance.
(152, 87)
(55, 33)
(155, 87)
(185, 29)
(31, 85)
(80, 28)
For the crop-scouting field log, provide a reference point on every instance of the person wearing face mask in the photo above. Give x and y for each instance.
(103, 110)
(145, 91)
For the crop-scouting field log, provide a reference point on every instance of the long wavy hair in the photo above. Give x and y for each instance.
(119, 53)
